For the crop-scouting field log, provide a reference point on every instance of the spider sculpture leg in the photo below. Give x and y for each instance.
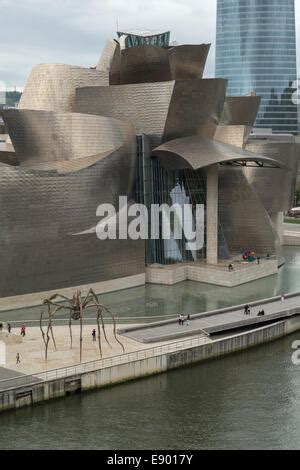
(49, 328)
(50, 302)
(99, 331)
(41, 326)
(99, 317)
(70, 328)
(91, 300)
(114, 328)
(102, 307)
(80, 330)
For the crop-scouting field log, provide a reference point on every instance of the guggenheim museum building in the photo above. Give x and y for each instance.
(144, 124)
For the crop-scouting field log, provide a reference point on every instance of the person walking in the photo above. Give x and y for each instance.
(18, 358)
(188, 319)
(94, 334)
(23, 330)
(246, 309)
(282, 298)
(9, 327)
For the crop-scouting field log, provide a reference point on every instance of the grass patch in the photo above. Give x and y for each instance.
(292, 221)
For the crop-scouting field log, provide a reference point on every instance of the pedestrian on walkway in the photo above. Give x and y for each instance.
(181, 320)
(282, 298)
(23, 330)
(18, 358)
(9, 327)
(258, 260)
(94, 334)
(247, 310)
(188, 318)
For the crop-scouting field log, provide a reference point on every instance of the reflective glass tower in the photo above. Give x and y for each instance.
(256, 51)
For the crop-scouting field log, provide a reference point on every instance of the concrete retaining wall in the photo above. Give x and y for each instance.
(220, 276)
(29, 395)
(291, 239)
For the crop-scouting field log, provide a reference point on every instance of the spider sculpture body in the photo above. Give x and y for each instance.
(75, 308)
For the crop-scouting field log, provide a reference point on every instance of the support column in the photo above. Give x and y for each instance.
(277, 219)
(212, 192)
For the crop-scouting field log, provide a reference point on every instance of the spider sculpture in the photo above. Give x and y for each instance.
(75, 307)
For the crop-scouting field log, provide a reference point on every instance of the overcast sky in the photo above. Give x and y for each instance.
(75, 31)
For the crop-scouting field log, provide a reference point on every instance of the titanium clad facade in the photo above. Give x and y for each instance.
(48, 238)
(163, 110)
(245, 222)
(256, 51)
(51, 87)
(143, 124)
(275, 189)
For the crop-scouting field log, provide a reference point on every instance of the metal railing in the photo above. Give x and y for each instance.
(91, 366)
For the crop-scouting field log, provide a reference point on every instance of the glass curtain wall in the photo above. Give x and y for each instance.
(256, 51)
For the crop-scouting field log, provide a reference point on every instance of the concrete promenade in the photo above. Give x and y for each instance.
(217, 321)
(291, 234)
(34, 381)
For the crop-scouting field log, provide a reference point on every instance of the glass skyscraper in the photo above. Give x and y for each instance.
(256, 51)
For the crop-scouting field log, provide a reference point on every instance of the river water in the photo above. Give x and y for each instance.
(248, 400)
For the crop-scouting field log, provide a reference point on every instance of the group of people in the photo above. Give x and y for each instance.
(182, 320)
(247, 311)
(249, 256)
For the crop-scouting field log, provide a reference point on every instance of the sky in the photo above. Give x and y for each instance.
(75, 31)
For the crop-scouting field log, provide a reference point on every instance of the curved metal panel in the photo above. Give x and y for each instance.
(40, 213)
(188, 61)
(195, 109)
(233, 135)
(240, 110)
(110, 61)
(51, 87)
(144, 105)
(244, 221)
(275, 190)
(197, 152)
(163, 110)
(145, 64)
(43, 139)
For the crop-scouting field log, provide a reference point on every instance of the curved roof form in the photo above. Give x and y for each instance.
(144, 64)
(240, 110)
(52, 87)
(196, 152)
(110, 61)
(188, 61)
(66, 141)
(163, 110)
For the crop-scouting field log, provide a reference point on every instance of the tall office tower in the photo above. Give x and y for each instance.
(256, 51)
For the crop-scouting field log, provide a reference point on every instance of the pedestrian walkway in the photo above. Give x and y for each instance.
(217, 321)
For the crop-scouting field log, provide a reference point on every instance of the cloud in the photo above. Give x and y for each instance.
(75, 31)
